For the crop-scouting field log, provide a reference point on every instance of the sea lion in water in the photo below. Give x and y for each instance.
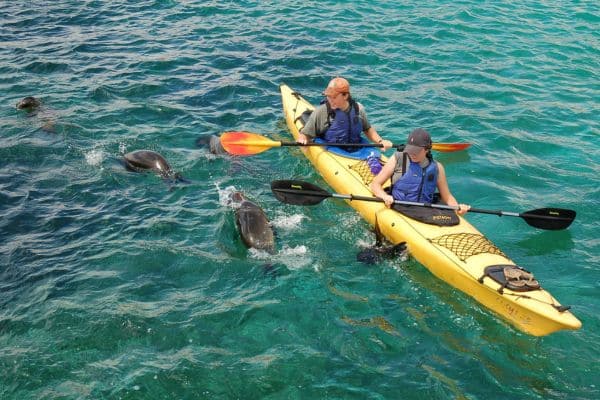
(381, 250)
(213, 142)
(28, 104)
(375, 254)
(148, 160)
(33, 107)
(253, 224)
(215, 145)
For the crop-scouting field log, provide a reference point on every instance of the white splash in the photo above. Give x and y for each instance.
(293, 258)
(225, 196)
(364, 243)
(301, 250)
(288, 222)
(259, 254)
(94, 157)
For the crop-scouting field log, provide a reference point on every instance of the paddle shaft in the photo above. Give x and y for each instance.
(445, 207)
(337, 144)
(443, 147)
(248, 143)
(378, 200)
(556, 218)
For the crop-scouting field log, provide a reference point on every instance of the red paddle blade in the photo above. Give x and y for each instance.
(450, 147)
(246, 143)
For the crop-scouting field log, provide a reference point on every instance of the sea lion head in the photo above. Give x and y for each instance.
(28, 103)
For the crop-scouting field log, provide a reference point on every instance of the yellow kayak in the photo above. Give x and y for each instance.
(459, 254)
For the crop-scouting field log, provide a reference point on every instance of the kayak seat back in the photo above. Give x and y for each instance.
(511, 277)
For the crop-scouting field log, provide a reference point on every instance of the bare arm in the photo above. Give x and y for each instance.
(308, 131)
(445, 194)
(374, 137)
(376, 185)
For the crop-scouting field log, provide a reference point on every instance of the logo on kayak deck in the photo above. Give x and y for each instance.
(441, 217)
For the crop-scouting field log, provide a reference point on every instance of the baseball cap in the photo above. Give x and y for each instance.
(417, 140)
(337, 85)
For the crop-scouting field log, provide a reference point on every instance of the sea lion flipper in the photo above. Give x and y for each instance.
(373, 255)
(379, 238)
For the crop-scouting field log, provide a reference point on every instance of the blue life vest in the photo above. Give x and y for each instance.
(416, 184)
(345, 127)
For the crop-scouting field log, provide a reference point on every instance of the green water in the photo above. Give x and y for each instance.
(114, 285)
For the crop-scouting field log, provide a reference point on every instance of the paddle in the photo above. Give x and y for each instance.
(248, 143)
(307, 194)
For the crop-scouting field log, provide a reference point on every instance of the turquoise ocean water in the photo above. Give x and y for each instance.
(115, 286)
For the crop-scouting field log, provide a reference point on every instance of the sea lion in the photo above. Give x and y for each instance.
(34, 108)
(28, 104)
(253, 224)
(213, 142)
(375, 254)
(381, 250)
(148, 160)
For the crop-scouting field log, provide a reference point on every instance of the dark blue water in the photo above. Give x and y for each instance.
(118, 285)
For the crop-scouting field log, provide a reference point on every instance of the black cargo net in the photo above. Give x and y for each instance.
(362, 168)
(465, 245)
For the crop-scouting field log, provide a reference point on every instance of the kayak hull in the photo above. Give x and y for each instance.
(456, 254)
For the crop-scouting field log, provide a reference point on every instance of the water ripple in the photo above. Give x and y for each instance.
(117, 284)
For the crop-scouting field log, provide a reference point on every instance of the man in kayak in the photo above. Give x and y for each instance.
(340, 119)
(415, 175)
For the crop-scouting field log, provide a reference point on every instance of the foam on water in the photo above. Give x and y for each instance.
(95, 157)
(288, 222)
(293, 258)
(225, 196)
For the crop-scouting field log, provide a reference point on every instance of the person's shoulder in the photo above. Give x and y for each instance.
(321, 108)
(362, 111)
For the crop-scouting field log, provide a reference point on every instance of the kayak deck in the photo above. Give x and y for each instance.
(456, 254)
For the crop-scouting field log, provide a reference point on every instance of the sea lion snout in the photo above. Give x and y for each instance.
(28, 103)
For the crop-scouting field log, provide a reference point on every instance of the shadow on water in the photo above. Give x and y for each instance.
(451, 314)
(537, 244)
(455, 157)
(462, 326)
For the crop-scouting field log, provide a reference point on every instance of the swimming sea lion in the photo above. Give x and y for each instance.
(148, 160)
(381, 250)
(28, 104)
(213, 142)
(215, 145)
(375, 254)
(34, 108)
(253, 224)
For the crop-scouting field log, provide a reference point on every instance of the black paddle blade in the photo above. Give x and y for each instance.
(298, 193)
(552, 219)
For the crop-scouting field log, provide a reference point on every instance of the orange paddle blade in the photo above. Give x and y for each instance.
(450, 147)
(246, 143)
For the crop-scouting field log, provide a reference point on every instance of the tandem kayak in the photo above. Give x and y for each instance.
(459, 255)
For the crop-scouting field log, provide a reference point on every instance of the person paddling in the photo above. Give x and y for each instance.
(340, 119)
(415, 175)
